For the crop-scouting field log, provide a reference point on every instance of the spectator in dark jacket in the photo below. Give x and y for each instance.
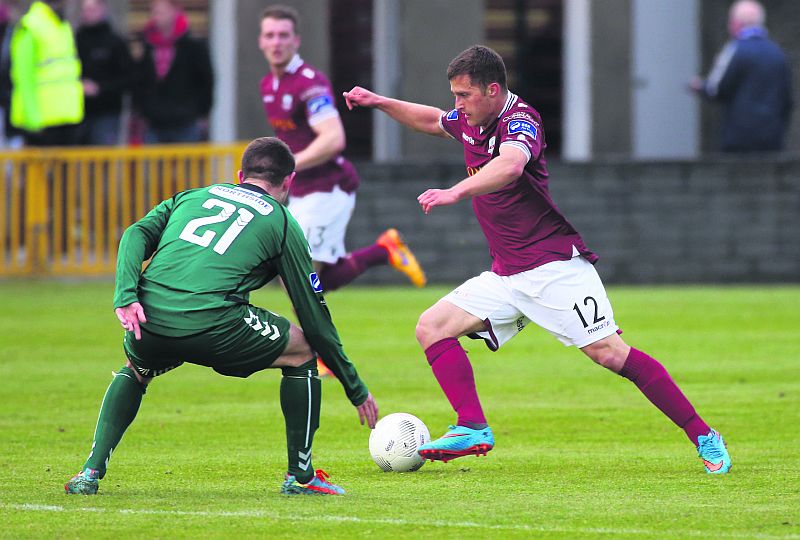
(175, 89)
(107, 75)
(751, 77)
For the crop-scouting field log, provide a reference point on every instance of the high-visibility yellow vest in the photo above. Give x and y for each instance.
(46, 85)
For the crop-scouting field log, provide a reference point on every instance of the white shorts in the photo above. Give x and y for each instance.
(324, 218)
(566, 298)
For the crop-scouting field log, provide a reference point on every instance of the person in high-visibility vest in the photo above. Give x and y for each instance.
(46, 93)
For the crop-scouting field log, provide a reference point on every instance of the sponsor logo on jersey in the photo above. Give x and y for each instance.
(467, 138)
(244, 196)
(285, 124)
(491, 144)
(286, 101)
(319, 104)
(522, 127)
(316, 284)
(520, 114)
(452, 115)
(270, 98)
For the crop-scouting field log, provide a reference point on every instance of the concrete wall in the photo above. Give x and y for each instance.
(432, 32)
(721, 221)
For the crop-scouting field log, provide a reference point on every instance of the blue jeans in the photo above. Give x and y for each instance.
(102, 130)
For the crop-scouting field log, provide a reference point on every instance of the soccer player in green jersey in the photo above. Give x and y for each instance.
(208, 248)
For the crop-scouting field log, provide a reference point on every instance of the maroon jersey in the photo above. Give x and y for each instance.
(522, 224)
(294, 103)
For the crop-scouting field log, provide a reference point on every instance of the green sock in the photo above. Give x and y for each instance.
(301, 394)
(119, 408)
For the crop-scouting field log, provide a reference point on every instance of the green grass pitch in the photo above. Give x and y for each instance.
(580, 452)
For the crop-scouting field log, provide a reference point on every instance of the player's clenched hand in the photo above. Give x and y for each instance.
(437, 197)
(130, 317)
(368, 411)
(360, 97)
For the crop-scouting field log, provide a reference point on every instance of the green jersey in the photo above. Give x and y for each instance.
(208, 248)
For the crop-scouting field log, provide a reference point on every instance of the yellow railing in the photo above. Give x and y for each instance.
(63, 211)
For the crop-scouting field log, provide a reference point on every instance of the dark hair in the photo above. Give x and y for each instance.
(282, 12)
(269, 159)
(482, 64)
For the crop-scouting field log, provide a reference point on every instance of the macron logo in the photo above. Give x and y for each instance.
(467, 138)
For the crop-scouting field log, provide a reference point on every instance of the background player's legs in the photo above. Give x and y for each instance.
(653, 381)
(117, 410)
(389, 248)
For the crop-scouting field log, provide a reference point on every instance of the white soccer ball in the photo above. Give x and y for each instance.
(394, 442)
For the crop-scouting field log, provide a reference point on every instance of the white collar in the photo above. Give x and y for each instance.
(294, 64)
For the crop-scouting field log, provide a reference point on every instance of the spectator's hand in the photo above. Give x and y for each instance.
(130, 317)
(360, 97)
(136, 48)
(696, 84)
(368, 411)
(437, 197)
(90, 88)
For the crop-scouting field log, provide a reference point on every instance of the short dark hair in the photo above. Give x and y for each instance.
(279, 12)
(269, 159)
(483, 65)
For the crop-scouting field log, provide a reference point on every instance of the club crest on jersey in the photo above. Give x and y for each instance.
(319, 103)
(522, 127)
(286, 101)
(316, 284)
(452, 115)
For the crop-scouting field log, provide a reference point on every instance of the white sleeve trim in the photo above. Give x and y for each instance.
(322, 115)
(441, 126)
(518, 145)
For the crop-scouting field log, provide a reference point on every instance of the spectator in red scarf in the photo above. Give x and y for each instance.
(175, 84)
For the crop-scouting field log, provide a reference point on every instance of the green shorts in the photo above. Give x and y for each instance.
(252, 341)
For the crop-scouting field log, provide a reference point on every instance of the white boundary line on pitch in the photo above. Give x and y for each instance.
(379, 521)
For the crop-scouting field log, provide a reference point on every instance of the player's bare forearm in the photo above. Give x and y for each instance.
(329, 143)
(499, 172)
(419, 117)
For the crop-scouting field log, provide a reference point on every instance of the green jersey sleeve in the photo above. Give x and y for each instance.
(303, 286)
(138, 243)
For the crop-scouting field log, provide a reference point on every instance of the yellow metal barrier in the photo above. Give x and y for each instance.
(63, 211)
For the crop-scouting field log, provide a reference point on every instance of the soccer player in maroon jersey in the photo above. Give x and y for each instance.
(541, 269)
(299, 103)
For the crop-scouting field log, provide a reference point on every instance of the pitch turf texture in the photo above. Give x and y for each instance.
(580, 453)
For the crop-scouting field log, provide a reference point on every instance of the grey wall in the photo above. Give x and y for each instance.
(611, 77)
(432, 33)
(720, 221)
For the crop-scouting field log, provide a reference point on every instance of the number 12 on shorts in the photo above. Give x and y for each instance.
(596, 317)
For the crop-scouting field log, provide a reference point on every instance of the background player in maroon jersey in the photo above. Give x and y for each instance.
(541, 269)
(299, 103)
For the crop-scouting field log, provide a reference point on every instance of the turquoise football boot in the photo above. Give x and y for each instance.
(457, 442)
(714, 452)
(85, 482)
(318, 485)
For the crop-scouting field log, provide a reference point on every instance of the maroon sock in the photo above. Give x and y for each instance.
(656, 384)
(348, 268)
(454, 372)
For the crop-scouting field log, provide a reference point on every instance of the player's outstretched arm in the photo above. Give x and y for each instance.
(416, 116)
(368, 411)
